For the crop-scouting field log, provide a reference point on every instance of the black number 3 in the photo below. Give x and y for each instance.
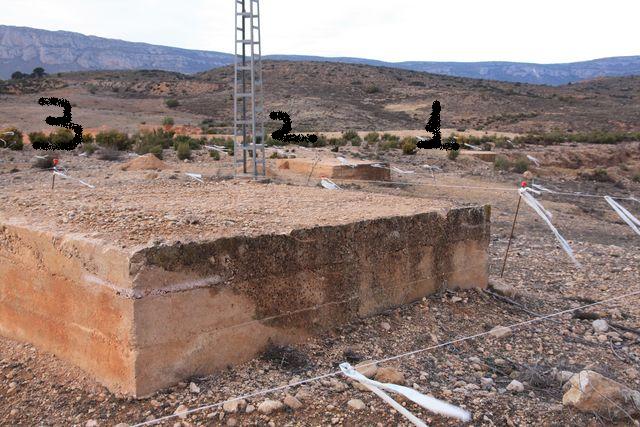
(64, 121)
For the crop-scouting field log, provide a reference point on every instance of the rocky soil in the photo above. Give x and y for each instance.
(511, 376)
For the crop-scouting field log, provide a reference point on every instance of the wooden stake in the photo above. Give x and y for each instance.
(513, 227)
(53, 180)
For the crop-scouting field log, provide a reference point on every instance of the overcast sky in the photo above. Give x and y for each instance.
(542, 31)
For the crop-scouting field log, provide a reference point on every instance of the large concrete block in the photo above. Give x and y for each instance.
(142, 317)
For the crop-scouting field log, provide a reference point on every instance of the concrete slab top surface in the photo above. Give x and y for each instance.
(136, 212)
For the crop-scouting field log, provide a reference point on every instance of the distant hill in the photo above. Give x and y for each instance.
(23, 49)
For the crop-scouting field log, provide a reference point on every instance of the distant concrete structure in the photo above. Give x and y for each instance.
(248, 95)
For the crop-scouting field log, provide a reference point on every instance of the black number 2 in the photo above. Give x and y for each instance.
(64, 121)
(283, 135)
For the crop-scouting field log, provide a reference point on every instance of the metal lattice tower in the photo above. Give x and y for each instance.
(248, 96)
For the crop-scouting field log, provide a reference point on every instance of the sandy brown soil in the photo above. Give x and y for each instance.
(37, 388)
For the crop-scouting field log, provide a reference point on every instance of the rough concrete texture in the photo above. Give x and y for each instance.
(143, 317)
(332, 168)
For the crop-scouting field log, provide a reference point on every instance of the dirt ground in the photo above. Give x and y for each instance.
(38, 388)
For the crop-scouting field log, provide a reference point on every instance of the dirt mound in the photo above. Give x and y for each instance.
(146, 162)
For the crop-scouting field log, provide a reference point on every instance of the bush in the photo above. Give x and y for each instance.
(321, 142)
(501, 163)
(389, 145)
(389, 137)
(114, 140)
(372, 137)
(229, 145)
(337, 142)
(409, 145)
(453, 155)
(372, 89)
(168, 121)
(172, 103)
(156, 150)
(521, 165)
(38, 139)
(215, 155)
(598, 174)
(60, 137)
(351, 136)
(14, 142)
(87, 138)
(183, 151)
(194, 144)
(89, 148)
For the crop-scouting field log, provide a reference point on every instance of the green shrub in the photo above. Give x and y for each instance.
(321, 142)
(61, 136)
(229, 145)
(156, 150)
(168, 121)
(172, 103)
(453, 155)
(390, 137)
(38, 139)
(521, 165)
(194, 144)
(351, 136)
(214, 154)
(598, 174)
(89, 148)
(14, 142)
(502, 163)
(183, 151)
(409, 145)
(114, 140)
(389, 145)
(372, 89)
(337, 142)
(372, 137)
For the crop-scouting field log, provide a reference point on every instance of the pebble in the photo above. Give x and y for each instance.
(269, 406)
(356, 404)
(292, 402)
(386, 326)
(193, 388)
(389, 375)
(500, 332)
(515, 386)
(249, 409)
(600, 325)
(233, 406)
(181, 409)
(486, 382)
(91, 423)
(367, 368)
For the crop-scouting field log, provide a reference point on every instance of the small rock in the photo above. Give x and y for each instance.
(486, 382)
(367, 368)
(193, 388)
(632, 373)
(122, 425)
(249, 409)
(386, 326)
(501, 288)
(515, 386)
(292, 402)
(303, 394)
(356, 404)
(500, 332)
(91, 423)
(389, 375)
(231, 422)
(600, 325)
(593, 393)
(233, 406)
(269, 406)
(180, 411)
(456, 299)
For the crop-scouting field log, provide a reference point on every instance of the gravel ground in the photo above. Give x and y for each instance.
(476, 374)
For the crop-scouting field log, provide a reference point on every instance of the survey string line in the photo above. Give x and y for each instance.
(396, 357)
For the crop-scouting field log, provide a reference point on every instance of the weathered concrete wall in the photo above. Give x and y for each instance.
(331, 168)
(190, 309)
